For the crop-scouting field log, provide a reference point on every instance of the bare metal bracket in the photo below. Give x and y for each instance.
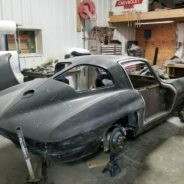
(32, 179)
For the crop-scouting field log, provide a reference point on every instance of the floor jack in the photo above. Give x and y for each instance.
(32, 179)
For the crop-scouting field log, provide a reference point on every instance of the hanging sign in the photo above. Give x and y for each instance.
(128, 3)
(121, 6)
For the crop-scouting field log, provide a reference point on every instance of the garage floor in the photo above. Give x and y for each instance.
(155, 157)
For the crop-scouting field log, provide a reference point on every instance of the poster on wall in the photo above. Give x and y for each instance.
(122, 6)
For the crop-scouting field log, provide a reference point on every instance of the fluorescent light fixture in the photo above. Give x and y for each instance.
(157, 22)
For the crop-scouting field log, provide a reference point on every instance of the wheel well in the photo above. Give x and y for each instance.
(129, 121)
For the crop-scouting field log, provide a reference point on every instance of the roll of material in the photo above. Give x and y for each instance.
(7, 27)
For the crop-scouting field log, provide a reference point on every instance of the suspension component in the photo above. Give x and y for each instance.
(114, 141)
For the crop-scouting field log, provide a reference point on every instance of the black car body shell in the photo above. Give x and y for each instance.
(59, 122)
(7, 78)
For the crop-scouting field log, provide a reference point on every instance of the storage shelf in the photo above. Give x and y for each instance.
(176, 15)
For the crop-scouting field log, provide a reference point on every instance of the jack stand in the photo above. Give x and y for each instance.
(45, 165)
(32, 179)
(112, 166)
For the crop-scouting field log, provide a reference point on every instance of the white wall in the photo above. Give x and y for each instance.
(56, 19)
(124, 33)
(180, 40)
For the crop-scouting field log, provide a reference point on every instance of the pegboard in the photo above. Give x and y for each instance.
(163, 36)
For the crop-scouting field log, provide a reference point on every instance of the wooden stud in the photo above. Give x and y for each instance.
(78, 17)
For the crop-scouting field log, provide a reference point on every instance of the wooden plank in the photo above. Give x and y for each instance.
(96, 164)
(78, 16)
(175, 66)
(174, 14)
(175, 70)
(163, 37)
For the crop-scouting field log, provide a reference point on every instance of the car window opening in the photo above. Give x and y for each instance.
(154, 95)
(86, 77)
(140, 75)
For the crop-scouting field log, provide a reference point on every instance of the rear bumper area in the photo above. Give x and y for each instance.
(55, 150)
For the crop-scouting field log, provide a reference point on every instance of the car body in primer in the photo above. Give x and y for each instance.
(61, 122)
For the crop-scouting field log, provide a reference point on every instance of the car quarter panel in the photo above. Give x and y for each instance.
(99, 113)
(61, 113)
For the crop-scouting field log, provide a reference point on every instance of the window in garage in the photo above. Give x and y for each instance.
(27, 41)
(30, 41)
(85, 77)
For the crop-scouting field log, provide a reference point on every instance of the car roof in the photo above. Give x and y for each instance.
(104, 61)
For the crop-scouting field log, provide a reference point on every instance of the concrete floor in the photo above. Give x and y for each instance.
(156, 157)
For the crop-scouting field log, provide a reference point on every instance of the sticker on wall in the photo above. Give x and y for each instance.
(121, 6)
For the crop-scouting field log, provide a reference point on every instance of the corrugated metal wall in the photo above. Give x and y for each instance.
(56, 19)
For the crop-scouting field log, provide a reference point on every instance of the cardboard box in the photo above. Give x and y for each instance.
(122, 6)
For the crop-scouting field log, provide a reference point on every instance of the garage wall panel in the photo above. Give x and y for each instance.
(103, 7)
(1, 10)
(56, 19)
(7, 12)
(16, 8)
(27, 13)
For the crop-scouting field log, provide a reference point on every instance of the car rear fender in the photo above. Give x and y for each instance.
(99, 117)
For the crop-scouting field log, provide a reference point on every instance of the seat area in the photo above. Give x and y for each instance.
(103, 80)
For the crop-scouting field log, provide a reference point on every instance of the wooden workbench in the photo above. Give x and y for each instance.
(175, 70)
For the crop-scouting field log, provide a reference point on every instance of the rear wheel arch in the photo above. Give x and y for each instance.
(129, 121)
(122, 128)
